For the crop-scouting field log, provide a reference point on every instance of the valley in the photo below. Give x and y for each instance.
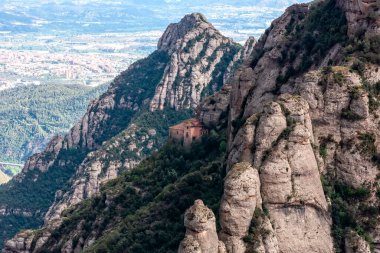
(87, 46)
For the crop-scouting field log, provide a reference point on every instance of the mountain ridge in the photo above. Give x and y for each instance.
(121, 118)
(293, 132)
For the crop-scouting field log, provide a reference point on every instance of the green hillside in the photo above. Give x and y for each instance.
(29, 116)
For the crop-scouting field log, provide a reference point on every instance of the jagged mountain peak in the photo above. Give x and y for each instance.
(177, 31)
(197, 53)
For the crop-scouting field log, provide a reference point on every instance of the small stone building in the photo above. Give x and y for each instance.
(187, 132)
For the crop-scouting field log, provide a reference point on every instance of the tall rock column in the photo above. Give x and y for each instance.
(240, 199)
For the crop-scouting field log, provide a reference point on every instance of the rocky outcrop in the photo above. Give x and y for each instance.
(201, 236)
(176, 32)
(19, 244)
(213, 110)
(291, 189)
(97, 168)
(43, 161)
(193, 51)
(241, 198)
(199, 54)
(317, 123)
(303, 143)
(363, 16)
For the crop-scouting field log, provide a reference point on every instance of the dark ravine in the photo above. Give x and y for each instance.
(290, 164)
(120, 128)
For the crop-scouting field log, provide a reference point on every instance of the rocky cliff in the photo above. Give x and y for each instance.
(118, 129)
(363, 16)
(303, 127)
(198, 59)
(291, 162)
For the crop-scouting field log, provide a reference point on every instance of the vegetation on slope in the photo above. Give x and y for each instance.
(350, 210)
(33, 200)
(324, 27)
(131, 92)
(143, 123)
(36, 192)
(135, 86)
(30, 115)
(142, 210)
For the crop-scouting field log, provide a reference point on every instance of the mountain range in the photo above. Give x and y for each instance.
(289, 159)
(125, 124)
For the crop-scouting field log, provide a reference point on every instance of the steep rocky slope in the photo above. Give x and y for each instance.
(303, 171)
(300, 168)
(294, 134)
(197, 58)
(119, 128)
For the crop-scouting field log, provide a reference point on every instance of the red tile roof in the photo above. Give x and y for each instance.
(193, 122)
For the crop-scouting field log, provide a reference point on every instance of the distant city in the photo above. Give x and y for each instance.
(90, 59)
(90, 42)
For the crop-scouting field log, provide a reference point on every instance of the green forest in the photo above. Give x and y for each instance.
(29, 116)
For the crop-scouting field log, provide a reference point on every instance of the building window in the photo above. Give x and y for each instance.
(187, 135)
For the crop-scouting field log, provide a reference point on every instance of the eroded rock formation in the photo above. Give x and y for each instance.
(191, 51)
(240, 200)
(201, 233)
(317, 123)
(197, 51)
(363, 16)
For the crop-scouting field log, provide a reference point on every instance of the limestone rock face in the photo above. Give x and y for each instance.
(82, 135)
(189, 245)
(41, 161)
(241, 198)
(213, 110)
(320, 123)
(20, 244)
(289, 176)
(201, 236)
(97, 168)
(248, 48)
(363, 16)
(283, 137)
(195, 48)
(175, 32)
